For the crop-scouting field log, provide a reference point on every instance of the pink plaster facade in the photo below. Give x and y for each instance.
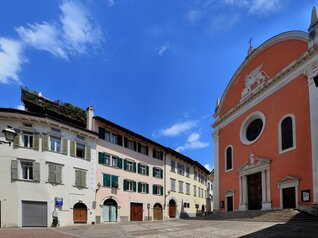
(125, 198)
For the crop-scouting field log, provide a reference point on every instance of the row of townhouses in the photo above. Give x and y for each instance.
(67, 166)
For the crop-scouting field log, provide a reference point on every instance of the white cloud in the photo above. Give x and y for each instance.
(164, 48)
(21, 107)
(193, 142)
(43, 36)
(262, 7)
(11, 59)
(208, 167)
(178, 128)
(193, 16)
(111, 2)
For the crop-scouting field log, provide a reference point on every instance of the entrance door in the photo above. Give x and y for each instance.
(135, 211)
(34, 214)
(229, 201)
(254, 187)
(289, 197)
(80, 213)
(172, 209)
(110, 210)
(157, 212)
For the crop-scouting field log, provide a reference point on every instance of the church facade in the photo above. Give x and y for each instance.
(266, 127)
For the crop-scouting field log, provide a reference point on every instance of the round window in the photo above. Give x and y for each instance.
(252, 128)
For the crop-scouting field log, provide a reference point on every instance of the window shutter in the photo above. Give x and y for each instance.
(139, 187)
(106, 180)
(120, 163)
(139, 147)
(135, 146)
(115, 183)
(134, 186)
(147, 170)
(161, 190)
(153, 189)
(45, 142)
(134, 167)
(36, 171)
(125, 164)
(88, 152)
(36, 141)
(101, 133)
(153, 172)
(77, 178)
(14, 169)
(147, 188)
(154, 153)
(72, 148)
(83, 178)
(16, 141)
(125, 185)
(161, 173)
(125, 142)
(139, 168)
(51, 173)
(119, 140)
(58, 173)
(100, 158)
(161, 155)
(146, 150)
(64, 146)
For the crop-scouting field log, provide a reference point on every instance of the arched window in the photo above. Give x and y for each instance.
(287, 133)
(228, 158)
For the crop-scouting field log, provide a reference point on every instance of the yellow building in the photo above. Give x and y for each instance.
(185, 186)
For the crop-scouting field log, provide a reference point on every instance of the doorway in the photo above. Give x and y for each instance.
(254, 188)
(172, 209)
(80, 213)
(110, 210)
(157, 212)
(289, 197)
(229, 203)
(136, 211)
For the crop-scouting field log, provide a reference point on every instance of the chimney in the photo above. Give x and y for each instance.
(89, 118)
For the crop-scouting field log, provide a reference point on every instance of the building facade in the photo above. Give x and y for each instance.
(209, 198)
(130, 171)
(186, 186)
(266, 127)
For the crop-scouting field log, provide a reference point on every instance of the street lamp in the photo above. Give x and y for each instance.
(9, 135)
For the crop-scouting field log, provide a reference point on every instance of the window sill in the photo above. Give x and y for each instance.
(287, 150)
(25, 180)
(54, 183)
(80, 187)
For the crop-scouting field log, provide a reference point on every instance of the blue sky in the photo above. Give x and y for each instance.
(153, 66)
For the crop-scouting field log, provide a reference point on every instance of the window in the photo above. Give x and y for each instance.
(252, 128)
(55, 144)
(186, 204)
(110, 181)
(113, 138)
(55, 173)
(194, 190)
(109, 160)
(157, 154)
(187, 171)
(287, 133)
(28, 139)
(180, 187)
(143, 169)
(172, 184)
(130, 165)
(110, 137)
(143, 149)
(173, 166)
(129, 185)
(26, 170)
(187, 188)
(180, 169)
(130, 144)
(228, 158)
(80, 150)
(195, 175)
(143, 188)
(80, 178)
(157, 173)
(157, 190)
(107, 136)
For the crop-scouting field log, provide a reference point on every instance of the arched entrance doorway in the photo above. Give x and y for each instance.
(110, 210)
(157, 212)
(80, 213)
(172, 209)
(202, 209)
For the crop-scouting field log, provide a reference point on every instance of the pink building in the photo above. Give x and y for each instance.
(129, 175)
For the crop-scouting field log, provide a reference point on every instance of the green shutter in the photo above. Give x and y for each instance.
(134, 167)
(72, 148)
(120, 163)
(135, 146)
(119, 140)
(139, 168)
(58, 169)
(161, 173)
(52, 173)
(106, 180)
(153, 172)
(161, 190)
(139, 187)
(83, 178)
(101, 133)
(147, 170)
(125, 164)
(153, 189)
(146, 150)
(125, 184)
(36, 142)
(154, 153)
(100, 158)
(14, 169)
(115, 183)
(45, 142)
(77, 178)
(134, 186)
(64, 146)
(36, 171)
(88, 152)
(147, 188)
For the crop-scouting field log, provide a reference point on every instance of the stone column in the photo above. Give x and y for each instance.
(263, 187)
(216, 183)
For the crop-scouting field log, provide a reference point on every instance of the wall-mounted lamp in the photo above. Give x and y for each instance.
(9, 135)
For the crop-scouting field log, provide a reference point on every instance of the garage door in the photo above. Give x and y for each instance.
(34, 213)
(136, 212)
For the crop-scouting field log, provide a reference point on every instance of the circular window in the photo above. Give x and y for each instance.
(252, 128)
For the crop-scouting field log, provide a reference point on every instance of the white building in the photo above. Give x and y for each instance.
(49, 170)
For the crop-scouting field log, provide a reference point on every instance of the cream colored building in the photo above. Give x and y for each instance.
(185, 186)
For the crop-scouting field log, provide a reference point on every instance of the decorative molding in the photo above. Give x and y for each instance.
(254, 164)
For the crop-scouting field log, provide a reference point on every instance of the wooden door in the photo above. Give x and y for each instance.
(229, 203)
(254, 187)
(172, 209)
(289, 198)
(80, 215)
(135, 211)
(157, 213)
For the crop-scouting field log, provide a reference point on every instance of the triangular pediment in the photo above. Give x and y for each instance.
(288, 179)
(254, 163)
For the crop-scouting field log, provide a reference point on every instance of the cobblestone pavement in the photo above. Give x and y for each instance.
(176, 228)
